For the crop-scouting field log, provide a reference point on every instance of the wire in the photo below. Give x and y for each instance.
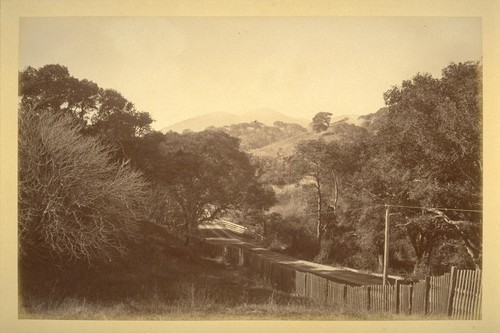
(366, 207)
(323, 213)
(437, 208)
(379, 206)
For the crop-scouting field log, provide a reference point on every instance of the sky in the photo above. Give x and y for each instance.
(181, 67)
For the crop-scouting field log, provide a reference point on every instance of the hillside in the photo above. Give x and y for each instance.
(158, 279)
(256, 135)
(286, 147)
(219, 119)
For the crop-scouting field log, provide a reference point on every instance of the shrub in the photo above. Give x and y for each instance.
(74, 203)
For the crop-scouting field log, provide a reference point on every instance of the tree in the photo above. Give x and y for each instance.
(321, 121)
(433, 135)
(74, 203)
(312, 161)
(52, 88)
(425, 235)
(259, 198)
(205, 174)
(106, 112)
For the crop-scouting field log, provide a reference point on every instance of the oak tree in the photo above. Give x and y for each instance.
(321, 121)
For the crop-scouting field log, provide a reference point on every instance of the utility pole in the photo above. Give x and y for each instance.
(386, 245)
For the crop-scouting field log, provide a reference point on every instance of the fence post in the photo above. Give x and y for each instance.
(241, 257)
(427, 292)
(225, 254)
(325, 297)
(451, 290)
(410, 301)
(344, 296)
(369, 292)
(397, 305)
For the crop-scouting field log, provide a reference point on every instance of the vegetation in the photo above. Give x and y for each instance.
(321, 121)
(74, 202)
(256, 135)
(106, 204)
(101, 111)
(422, 150)
(159, 279)
(205, 174)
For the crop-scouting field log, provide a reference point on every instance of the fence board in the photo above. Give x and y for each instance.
(438, 295)
(318, 288)
(418, 299)
(467, 295)
(335, 293)
(458, 298)
(478, 300)
(357, 298)
(300, 283)
(383, 299)
(287, 279)
(405, 299)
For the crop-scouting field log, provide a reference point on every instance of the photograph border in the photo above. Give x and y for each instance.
(12, 10)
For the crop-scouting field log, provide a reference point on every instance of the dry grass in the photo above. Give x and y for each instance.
(160, 281)
(198, 309)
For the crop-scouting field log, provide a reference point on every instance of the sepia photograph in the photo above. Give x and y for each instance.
(249, 168)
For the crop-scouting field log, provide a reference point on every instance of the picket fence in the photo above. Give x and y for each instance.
(455, 295)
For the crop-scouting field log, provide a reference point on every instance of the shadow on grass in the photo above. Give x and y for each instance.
(159, 277)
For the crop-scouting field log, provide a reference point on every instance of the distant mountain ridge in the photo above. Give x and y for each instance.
(219, 119)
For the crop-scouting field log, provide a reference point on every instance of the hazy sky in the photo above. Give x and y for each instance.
(178, 67)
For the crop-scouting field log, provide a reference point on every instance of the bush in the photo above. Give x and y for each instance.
(74, 203)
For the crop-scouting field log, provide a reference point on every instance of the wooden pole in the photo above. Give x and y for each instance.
(386, 245)
(397, 305)
(427, 293)
(451, 290)
(410, 309)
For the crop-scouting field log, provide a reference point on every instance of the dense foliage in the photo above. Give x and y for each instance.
(102, 112)
(422, 150)
(205, 174)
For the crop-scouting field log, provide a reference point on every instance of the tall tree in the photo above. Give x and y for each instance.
(312, 161)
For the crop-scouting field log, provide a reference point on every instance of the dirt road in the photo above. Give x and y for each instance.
(217, 233)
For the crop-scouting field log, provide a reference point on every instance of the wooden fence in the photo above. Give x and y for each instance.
(239, 229)
(455, 295)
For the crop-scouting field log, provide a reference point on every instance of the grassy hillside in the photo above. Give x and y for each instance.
(159, 280)
(336, 131)
(255, 135)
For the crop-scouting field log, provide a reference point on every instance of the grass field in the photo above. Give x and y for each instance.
(161, 280)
